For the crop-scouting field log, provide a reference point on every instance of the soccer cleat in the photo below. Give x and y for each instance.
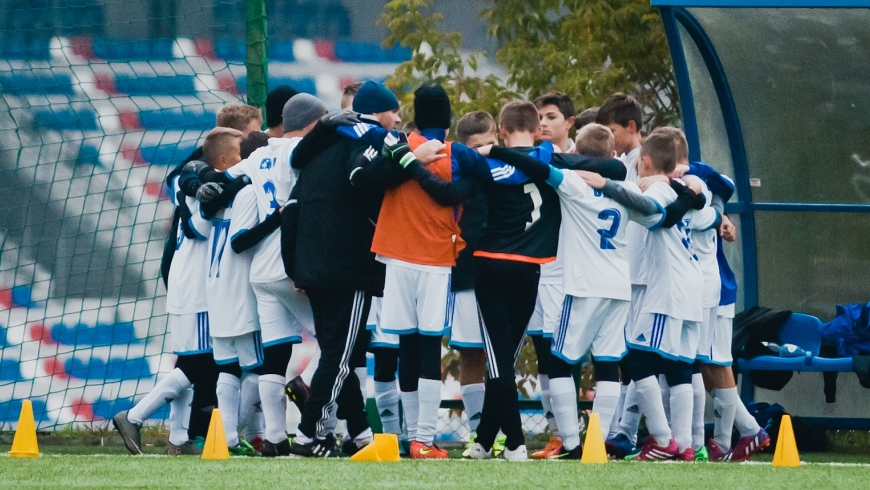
(702, 455)
(518, 454)
(405, 447)
(318, 448)
(243, 448)
(189, 448)
(272, 450)
(131, 433)
(687, 456)
(199, 442)
(554, 444)
(563, 453)
(422, 451)
(478, 452)
(749, 445)
(653, 452)
(715, 453)
(351, 447)
(619, 447)
(472, 439)
(498, 445)
(297, 392)
(257, 443)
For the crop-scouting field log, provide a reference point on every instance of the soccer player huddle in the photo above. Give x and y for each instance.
(371, 238)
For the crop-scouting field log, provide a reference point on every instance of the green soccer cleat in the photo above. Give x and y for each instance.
(498, 445)
(471, 440)
(702, 455)
(243, 449)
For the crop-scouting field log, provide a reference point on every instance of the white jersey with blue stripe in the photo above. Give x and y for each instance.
(232, 305)
(272, 180)
(185, 290)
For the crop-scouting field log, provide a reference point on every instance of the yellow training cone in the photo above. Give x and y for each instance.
(593, 449)
(384, 448)
(786, 455)
(216, 440)
(24, 444)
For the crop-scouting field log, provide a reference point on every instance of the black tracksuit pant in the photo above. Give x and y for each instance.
(506, 292)
(339, 323)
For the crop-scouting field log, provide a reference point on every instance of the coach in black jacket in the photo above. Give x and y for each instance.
(327, 231)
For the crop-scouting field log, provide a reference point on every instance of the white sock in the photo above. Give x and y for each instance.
(605, 403)
(699, 396)
(682, 406)
(362, 374)
(617, 414)
(364, 438)
(724, 411)
(228, 396)
(179, 417)
(411, 410)
(472, 398)
(630, 420)
(274, 404)
(547, 403)
(745, 423)
(387, 401)
(666, 396)
(650, 401)
(168, 389)
(563, 395)
(429, 393)
(249, 406)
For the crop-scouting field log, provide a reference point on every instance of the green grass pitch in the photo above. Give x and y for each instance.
(109, 467)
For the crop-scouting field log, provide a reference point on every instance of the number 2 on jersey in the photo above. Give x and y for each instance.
(269, 188)
(533, 192)
(607, 234)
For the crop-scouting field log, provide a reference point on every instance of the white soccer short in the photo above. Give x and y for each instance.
(548, 310)
(284, 312)
(596, 323)
(670, 337)
(463, 321)
(190, 333)
(720, 341)
(379, 338)
(246, 349)
(705, 334)
(414, 301)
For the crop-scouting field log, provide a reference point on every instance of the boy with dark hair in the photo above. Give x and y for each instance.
(588, 116)
(624, 116)
(556, 112)
(275, 109)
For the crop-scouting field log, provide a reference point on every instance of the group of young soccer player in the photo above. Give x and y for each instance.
(371, 238)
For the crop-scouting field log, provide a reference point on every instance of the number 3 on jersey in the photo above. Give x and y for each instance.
(533, 192)
(607, 234)
(269, 188)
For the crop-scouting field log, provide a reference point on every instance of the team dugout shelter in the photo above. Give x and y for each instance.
(776, 94)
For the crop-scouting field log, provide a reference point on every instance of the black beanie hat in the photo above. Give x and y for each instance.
(275, 104)
(431, 107)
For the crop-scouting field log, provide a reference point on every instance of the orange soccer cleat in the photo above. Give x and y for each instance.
(554, 444)
(422, 451)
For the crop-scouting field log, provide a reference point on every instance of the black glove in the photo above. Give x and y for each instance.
(340, 118)
(208, 191)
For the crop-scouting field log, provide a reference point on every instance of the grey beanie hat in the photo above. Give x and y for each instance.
(302, 110)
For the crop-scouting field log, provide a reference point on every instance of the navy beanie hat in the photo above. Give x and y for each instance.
(431, 107)
(275, 104)
(374, 97)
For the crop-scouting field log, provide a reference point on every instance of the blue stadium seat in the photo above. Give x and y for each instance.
(19, 48)
(306, 85)
(17, 83)
(803, 331)
(281, 51)
(354, 52)
(60, 119)
(9, 370)
(169, 154)
(230, 50)
(89, 155)
(86, 335)
(11, 409)
(21, 296)
(177, 119)
(116, 368)
(133, 50)
(106, 409)
(3, 341)
(156, 85)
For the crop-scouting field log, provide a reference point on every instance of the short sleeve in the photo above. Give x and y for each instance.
(574, 186)
(659, 192)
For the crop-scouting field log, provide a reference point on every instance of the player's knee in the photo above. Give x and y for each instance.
(430, 357)
(606, 370)
(558, 367)
(641, 364)
(386, 364)
(677, 372)
(275, 359)
(696, 367)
